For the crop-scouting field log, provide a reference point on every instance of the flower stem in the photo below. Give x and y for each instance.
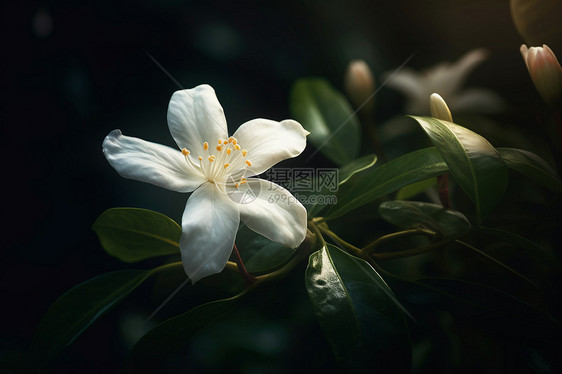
(249, 278)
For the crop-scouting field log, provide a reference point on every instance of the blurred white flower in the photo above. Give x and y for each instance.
(215, 166)
(545, 72)
(446, 79)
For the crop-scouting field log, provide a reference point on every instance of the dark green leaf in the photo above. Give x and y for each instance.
(326, 113)
(358, 312)
(414, 214)
(378, 181)
(532, 166)
(160, 343)
(523, 243)
(491, 308)
(474, 164)
(132, 234)
(78, 308)
(318, 200)
(260, 254)
(415, 189)
(354, 167)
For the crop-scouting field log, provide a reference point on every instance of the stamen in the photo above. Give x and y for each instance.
(226, 165)
(248, 163)
(225, 142)
(211, 158)
(236, 185)
(185, 152)
(237, 147)
(228, 150)
(205, 146)
(220, 141)
(234, 141)
(230, 139)
(219, 148)
(244, 153)
(244, 181)
(200, 158)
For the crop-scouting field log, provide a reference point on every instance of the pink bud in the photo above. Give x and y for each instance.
(545, 72)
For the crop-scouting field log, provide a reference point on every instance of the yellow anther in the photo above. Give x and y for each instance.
(228, 150)
(200, 158)
(236, 185)
(244, 153)
(244, 181)
(225, 142)
(219, 148)
(220, 141)
(248, 163)
(185, 152)
(205, 146)
(226, 165)
(237, 147)
(211, 158)
(234, 141)
(230, 139)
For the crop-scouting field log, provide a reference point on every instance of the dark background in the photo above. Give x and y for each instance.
(73, 71)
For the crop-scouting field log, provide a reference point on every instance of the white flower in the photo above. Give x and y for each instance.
(217, 168)
(545, 72)
(445, 79)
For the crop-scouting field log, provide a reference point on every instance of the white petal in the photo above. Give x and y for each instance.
(209, 225)
(269, 142)
(144, 161)
(196, 116)
(273, 213)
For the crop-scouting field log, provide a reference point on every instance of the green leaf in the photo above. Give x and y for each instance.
(475, 165)
(415, 189)
(132, 234)
(78, 308)
(354, 167)
(160, 343)
(344, 174)
(414, 214)
(531, 166)
(326, 113)
(378, 181)
(358, 312)
(260, 254)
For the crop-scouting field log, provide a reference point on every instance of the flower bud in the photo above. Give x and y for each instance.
(359, 83)
(545, 72)
(439, 108)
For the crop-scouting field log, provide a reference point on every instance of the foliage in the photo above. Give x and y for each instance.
(404, 272)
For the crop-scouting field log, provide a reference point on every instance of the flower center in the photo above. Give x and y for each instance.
(216, 165)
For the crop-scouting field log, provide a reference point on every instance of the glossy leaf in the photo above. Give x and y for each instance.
(531, 166)
(78, 308)
(475, 165)
(358, 312)
(414, 214)
(132, 234)
(160, 343)
(378, 181)
(326, 113)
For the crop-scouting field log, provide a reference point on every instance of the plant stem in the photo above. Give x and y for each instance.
(249, 278)
(370, 248)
